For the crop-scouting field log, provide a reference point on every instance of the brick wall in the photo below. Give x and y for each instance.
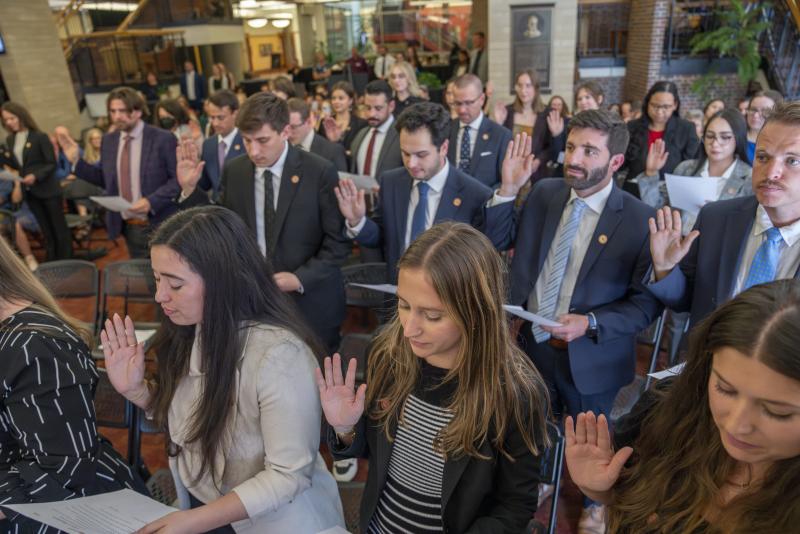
(613, 88)
(729, 90)
(646, 29)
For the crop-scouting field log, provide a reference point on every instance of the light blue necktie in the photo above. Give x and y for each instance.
(552, 287)
(765, 262)
(463, 161)
(418, 219)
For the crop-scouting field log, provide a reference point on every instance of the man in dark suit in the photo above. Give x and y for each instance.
(735, 243)
(193, 86)
(478, 60)
(303, 136)
(579, 259)
(477, 144)
(225, 145)
(137, 162)
(285, 196)
(426, 191)
(376, 148)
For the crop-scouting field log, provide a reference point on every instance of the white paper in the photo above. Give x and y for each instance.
(383, 288)
(528, 316)
(691, 193)
(334, 530)
(117, 204)
(141, 335)
(9, 176)
(119, 512)
(666, 373)
(362, 181)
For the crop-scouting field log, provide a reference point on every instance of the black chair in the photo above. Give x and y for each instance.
(115, 411)
(133, 281)
(361, 297)
(7, 224)
(73, 279)
(551, 468)
(356, 346)
(141, 425)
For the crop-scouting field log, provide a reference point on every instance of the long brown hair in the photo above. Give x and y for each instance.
(679, 463)
(20, 112)
(18, 284)
(537, 104)
(497, 385)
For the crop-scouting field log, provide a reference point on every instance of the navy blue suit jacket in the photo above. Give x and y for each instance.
(212, 178)
(199, 87)
(707, 275)
(608, 283)
(490, 149)
(156, 171)
(463, 200)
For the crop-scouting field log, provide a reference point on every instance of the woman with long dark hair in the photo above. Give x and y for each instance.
(344, 124)
(35, 161)
(453, 416)
(717, 448)
(234, 384)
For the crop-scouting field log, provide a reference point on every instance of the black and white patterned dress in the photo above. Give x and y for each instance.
(49, 446)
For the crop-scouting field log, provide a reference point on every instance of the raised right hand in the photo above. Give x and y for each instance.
(518, 165)
(667, 246)
(189, 168)
(332, 130)
(656, 158)
(555, 123)
(351, 201)
(124, 357)
(68, 146)
(593, 465)
(342, 404)
(500, 113)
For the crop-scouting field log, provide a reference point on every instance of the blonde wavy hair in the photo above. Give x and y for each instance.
(90, 153)
(408, 70)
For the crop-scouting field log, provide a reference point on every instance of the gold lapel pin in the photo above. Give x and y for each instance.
(237, 147)
(295, 179)
(603, 239)
(456, 202)
(28, 144)
(486, 137)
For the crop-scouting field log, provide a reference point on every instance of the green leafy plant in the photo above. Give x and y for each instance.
(429, 80)
(736, 37)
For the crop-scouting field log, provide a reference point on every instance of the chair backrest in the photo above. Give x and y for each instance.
(73, 279)
(131, 280)
(552, 459)
(364, 273)
(6, 223)
(356, 346)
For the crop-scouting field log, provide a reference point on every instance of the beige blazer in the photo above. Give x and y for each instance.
(270, 457)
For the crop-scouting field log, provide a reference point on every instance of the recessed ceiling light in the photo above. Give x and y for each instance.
(281, 23)
(257, 23)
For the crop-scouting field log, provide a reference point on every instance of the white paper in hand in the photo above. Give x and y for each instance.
(117, 204)
(666, 373)
(383, 288)
(691, 193)
(110, 513)
(528, 316)
(362, 181)
(9, 176)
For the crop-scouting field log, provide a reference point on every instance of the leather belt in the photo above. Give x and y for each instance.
(137, 222)
(558, 344)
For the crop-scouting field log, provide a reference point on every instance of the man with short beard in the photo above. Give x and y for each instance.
(580, 256)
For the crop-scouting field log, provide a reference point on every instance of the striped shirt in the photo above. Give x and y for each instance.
(411, 500)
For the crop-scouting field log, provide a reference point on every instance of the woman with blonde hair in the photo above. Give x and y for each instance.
(454, 415)
(91, 145)
(717, 448)
(406, 89)
(49, 441)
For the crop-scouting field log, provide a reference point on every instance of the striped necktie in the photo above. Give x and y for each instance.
(765, 261)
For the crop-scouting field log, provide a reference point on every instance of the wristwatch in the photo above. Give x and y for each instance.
(591, 332)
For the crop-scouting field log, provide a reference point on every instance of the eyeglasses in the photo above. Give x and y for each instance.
(467, 103)
(661, 107)
(761, 111)
(723, 139)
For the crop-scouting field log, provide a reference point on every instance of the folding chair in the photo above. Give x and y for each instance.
(113, 410)
(360, 297)
(356, 346)
(73, 279)
(551, 468)
(133, 281)
(141, 425)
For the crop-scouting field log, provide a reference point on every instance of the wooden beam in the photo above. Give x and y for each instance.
(133, 15)
(794, 7)
(129, 33)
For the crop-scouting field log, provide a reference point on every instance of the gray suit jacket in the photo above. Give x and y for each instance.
(389, 157)
(653, 190)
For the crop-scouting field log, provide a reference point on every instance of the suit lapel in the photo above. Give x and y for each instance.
(245, 186)
(480, 145)
(110, 159)
(447, 209)
(147, 149)
(391, 136)
(357, 140)
(452, 149)
(606, 225)
(236, 149)
(738, 225)
(292, 168)
(401, 200)
(453, 469)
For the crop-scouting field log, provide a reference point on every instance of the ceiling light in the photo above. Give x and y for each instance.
(257, 23)
(281, 23)
(248, 4)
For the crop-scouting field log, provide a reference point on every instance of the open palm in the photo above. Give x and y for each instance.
(342, 403)
(124, 357)
(593, 465)
(667, 244)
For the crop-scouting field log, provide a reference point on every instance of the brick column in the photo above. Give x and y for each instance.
(34, 69)
(646, 33)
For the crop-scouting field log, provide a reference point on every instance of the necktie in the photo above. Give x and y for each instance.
(383, 66)
(552, 287)
(463, 160)
(125, 188)
(368, 158)
(269, 213)
(765, 262)
(221, 155)
(418, 219)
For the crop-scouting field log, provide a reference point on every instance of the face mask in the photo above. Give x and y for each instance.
(167, 122)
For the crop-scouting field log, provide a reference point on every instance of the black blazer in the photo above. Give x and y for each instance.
(681, 140)
(333, 152)
(540, 141)
(39, 159)
(494, 496)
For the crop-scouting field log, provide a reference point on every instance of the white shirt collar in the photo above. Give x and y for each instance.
(474, 125)
(277, 167)
(228, 139)
(437, 181)
(383, 128)
(136, 132)
(726, 174)
(790, 233)
(597, 201)
(307, 140)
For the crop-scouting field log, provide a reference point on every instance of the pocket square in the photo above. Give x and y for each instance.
(486, 153)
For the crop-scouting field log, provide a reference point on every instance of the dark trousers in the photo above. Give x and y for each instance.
(137, 237)
(227, 529)
(49, 213)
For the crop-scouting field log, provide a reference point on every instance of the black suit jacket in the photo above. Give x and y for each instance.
(389, 157)
(333, 152)
(309, 234)
(39, 159)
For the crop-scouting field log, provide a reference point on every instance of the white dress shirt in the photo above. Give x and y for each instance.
(789, 260)
(277, 171)
(595, 203)
(376, 150)
(383, 64)
(228, 140)
(190, 94)
(136, 165)
(19, 147)
(724, 178)
(305, 144)
(473, 137)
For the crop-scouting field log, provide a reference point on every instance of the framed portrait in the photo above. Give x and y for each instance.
(532, 41)
(265, 50)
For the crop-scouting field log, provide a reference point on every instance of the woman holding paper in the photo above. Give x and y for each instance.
(49, 446)
(717, 448)
(453, 416)
(234, 384)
